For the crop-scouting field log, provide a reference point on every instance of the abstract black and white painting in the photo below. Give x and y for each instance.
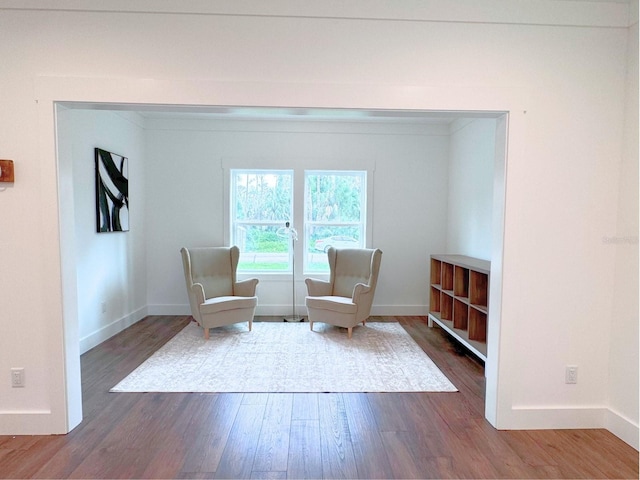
(112, 192)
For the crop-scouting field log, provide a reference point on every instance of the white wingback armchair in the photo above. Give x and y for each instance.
(215, 296)
(345, 300)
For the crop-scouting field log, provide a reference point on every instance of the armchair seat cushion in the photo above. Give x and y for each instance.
(221, 304)
(332, 303)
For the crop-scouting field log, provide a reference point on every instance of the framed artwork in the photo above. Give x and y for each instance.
(112, 192)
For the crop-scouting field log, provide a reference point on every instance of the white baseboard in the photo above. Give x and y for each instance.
(622, 428)
(545, 418)
(169, 309)
(33, 422)
(280, 310)
(108, 331)
(400, 310)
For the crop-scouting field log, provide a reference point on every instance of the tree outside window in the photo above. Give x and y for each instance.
(335, 204)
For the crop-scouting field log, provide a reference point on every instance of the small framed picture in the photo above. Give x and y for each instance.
(112, 192)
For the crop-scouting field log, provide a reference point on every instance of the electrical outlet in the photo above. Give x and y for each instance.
(571, 374)
(17, 377)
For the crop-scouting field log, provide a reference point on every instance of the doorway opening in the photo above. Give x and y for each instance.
(140, 116)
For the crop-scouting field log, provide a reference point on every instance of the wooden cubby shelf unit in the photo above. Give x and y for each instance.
(458, 299)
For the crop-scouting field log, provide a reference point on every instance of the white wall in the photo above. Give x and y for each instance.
(111, 267)
(186, 198)
(623, 356)
(563, 88)
(470, 193)
(134, 273)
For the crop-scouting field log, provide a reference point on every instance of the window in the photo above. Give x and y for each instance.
(261, 203)
(328, 208)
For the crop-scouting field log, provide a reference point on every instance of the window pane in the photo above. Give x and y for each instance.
(261, 204)
(261, 248)
(334, 214)
(321, 237)
(335, 197)
(262, 195)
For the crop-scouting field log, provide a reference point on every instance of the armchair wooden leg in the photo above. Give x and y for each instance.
(250, 324)
(206, 334)
(310, 325)
(349, 331)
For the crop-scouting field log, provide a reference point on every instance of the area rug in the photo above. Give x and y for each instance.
(288, 357)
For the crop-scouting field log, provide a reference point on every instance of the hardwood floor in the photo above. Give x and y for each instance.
(331, 435)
